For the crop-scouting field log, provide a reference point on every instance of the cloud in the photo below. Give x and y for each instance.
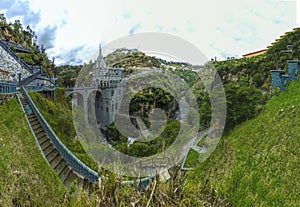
(32, 18)
(17, 8)
(233, 27)
(71, 57)
(134, 28)
(127, 16)
(47, 36)
(5, 4)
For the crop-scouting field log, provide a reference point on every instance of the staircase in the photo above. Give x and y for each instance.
(67, 166)
(9, 51)
(30, 78)
(52, 155)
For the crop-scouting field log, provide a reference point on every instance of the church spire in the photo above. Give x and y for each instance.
(100, 50)
(100, 59)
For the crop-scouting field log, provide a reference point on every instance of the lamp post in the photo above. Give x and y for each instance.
(19, 77)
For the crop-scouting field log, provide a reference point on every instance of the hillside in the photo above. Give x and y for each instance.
(25, 177)
(58, 114)
(256, 70)
(257, 164)
(23, 42)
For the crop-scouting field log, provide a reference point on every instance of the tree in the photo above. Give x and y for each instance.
(2, 18)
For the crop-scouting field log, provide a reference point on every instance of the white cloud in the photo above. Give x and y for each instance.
(218, 28)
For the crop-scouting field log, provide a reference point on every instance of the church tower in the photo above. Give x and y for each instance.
(100, 69)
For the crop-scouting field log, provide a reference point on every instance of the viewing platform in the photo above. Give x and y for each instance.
(7, 88)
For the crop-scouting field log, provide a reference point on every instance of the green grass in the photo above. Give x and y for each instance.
(25, 177)
(258, 163)
(59, 116)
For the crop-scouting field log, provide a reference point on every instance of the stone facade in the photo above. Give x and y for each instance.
(9, 64)
(102, 99)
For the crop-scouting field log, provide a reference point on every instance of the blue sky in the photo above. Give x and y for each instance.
(71, 30)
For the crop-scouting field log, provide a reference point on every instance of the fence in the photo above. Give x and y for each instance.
(7, 88)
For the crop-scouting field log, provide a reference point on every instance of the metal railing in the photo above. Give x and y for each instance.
(29, 78)
(39, 88)
(7, 88)
(17, 47)
(7, 49)
(72, 161)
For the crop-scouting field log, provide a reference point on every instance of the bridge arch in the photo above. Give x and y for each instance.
(94, 99)
(78, 99)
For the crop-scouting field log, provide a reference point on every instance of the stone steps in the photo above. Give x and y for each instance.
(52, 155)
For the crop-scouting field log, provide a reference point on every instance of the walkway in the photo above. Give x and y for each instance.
(67, 166)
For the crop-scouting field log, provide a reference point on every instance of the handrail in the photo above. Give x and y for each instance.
(72, 161)
(39, 88)
(7, 49)
(17, 47)
(7, 88)
(30, 127)
(29, 78)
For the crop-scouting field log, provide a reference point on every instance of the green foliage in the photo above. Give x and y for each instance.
(144, 149)
(59, 116)
(131, 58)
(188, 76)
(28, 58)
(256, 164)
(67, 75)
(25, 177)
(25, 37)
(242, 101)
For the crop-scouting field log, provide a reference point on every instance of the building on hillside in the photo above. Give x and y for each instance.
(100, 98)
(109, 95)
(19, 72)
(104, 76)
(252, 54)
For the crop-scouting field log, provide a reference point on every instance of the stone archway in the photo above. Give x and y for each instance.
(78, 99)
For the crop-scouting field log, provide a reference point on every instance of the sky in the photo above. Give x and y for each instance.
(71, 30)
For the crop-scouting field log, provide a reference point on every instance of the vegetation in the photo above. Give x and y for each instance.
(67, 75)
(255, 164)
(126, 58)
(58, 114)
(258, 161)
(25, 177)
(26, 38)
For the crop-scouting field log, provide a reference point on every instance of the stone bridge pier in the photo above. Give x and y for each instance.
(102, 98)
(98, 104)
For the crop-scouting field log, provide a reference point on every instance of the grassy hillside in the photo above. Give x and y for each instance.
(256, 70)
(258, 163)
(58, 114)
(25, 177)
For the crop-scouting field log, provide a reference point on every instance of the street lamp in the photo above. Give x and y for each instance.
(19, 76)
